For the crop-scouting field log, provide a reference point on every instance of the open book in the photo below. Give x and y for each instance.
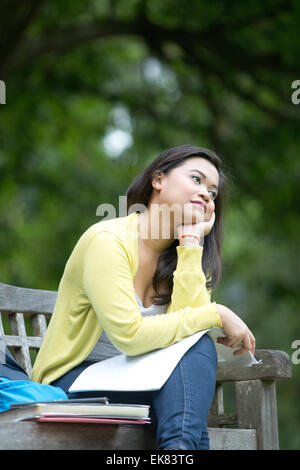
(149, 371)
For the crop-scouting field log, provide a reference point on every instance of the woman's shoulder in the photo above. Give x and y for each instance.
(110, 240)
(121, 227)
(119, 233)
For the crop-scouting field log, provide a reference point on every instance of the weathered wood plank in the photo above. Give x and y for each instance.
(216, 421)
(232, 439)
(1, 327)
(63, 436)
(20, 299)
(276, 365)
(39, 325)
(217, 407)
(17, 326)
(33, 342)
(256, 407)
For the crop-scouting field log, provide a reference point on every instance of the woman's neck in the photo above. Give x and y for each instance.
(155, 236)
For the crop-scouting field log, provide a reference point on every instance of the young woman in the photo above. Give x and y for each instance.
(142, 282)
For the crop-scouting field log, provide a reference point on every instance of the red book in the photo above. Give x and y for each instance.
(87, 419)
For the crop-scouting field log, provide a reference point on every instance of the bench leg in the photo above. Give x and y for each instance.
(256, 407)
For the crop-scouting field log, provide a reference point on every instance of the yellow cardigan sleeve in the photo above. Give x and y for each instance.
(189, 281)
(108, 284)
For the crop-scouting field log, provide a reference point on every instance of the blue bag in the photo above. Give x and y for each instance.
(27, 391)
(16, 386)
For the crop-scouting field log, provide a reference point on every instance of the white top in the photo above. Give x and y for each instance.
(104, 349)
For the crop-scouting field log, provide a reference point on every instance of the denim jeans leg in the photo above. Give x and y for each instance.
(183, 403)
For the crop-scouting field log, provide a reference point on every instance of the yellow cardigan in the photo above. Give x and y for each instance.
(96, 292)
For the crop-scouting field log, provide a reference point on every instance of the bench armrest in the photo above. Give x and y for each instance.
(275, 365)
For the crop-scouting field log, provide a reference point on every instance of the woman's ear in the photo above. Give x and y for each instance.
(157, 179)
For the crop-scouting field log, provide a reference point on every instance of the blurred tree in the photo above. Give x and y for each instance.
(96, 90)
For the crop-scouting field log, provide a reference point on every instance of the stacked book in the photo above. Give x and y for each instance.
(78, 411)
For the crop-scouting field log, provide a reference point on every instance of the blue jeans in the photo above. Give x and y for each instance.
(179, 409)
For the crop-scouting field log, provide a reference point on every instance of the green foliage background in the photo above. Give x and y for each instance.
(217, 75)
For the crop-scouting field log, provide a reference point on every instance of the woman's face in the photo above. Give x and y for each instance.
(191, 188)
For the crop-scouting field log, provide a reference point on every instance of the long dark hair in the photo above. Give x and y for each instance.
(139, 192)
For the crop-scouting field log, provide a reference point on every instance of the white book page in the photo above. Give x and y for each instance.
(151, 370)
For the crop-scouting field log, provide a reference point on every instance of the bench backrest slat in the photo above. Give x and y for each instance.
(23, 325)
(20, 299)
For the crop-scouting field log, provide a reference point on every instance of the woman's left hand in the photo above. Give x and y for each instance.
(236, 331)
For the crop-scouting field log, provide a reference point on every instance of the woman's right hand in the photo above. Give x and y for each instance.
(236, 331)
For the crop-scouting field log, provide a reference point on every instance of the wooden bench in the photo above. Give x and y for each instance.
(253, 425)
